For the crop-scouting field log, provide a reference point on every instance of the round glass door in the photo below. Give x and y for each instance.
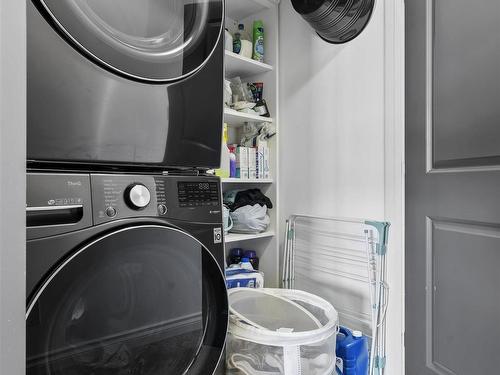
(146, 300)
(155, 40)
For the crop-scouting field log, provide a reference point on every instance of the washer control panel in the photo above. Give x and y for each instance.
(59, 203)
(117, 197)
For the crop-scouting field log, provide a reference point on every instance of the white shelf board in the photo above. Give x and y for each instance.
(236, 237)
(235, 118)
(240, 9)
(247, 181)
(239, 66)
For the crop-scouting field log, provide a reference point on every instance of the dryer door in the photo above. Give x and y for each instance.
(141, 300)
(152, 40)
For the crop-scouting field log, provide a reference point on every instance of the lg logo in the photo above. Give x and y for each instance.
(217, 235)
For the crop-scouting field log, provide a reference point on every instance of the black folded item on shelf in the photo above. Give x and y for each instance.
(246, 198)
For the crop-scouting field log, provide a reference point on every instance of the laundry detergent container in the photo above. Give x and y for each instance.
(280, 331)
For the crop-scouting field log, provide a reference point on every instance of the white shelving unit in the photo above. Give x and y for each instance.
(237, 65)
(247, 181)
(238, 237)
(236, 119)
(242, 9)
(247, 11)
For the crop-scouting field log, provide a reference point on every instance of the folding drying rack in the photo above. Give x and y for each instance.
(344, 261)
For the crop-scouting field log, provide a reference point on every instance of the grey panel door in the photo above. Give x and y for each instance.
(452, 187)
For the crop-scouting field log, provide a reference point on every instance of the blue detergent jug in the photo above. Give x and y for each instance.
(352, 352)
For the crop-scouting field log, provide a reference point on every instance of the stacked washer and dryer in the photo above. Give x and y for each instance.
(125, 247)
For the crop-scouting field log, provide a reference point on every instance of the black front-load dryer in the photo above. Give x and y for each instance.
(125, 82)
(124, 275)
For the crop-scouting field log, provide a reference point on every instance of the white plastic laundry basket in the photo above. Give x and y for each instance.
(280, 331)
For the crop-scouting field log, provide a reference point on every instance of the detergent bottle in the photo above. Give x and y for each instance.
(225, 158)
(352, 352)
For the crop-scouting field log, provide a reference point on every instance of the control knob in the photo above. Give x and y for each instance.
(137, 196)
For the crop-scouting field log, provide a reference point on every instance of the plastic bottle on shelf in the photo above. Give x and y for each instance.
(232, 165)
(237, 42)
(258, 41)
(235, 255)
(253, 258)
(225, 158)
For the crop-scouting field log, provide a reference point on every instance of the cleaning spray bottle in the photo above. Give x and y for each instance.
(258, 41)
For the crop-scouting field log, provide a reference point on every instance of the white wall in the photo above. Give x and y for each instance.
(331, 120)
(341, 141)
(12, 185)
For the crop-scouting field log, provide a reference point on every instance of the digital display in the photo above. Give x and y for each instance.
(198, 194)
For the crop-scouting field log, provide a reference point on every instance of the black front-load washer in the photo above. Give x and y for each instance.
(125, 82)
(124, 275)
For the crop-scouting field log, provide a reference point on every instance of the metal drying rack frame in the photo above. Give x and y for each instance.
(373, 235)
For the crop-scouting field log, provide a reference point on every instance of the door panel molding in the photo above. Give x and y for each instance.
(476, 164)
(430, 288)
(439, 260)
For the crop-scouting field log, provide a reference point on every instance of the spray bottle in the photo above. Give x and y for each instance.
(258, 41)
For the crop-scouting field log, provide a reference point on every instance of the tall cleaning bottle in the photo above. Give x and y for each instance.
(225, 157)
(258, 41)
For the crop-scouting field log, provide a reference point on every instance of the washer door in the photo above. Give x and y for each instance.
(142, 300)
(153, 40)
